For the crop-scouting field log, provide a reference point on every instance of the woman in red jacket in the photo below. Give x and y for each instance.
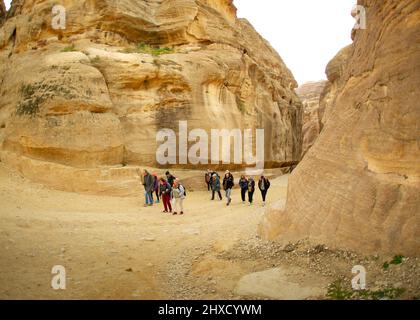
(165, 191)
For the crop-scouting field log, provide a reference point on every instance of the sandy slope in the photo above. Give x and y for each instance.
(98, 238)
(115, 248)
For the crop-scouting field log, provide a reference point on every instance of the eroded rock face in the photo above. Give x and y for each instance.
(334, 72)
(358, 186)
(310, 94)
(95, 93)
(3, 12)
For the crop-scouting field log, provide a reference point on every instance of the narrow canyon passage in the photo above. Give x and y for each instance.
(90, 108)
(114, 248)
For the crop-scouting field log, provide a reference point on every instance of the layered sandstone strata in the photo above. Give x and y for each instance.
(95, 93)
(310, 94)
(3, 12)
(358, 186)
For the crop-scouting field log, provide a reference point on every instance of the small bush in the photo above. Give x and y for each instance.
(33, 95)
(241, 106)
(337, 291)
(27, 90)
(96, 59)
(69, 48)
(147, 49)
(398, 259)
(29, 107)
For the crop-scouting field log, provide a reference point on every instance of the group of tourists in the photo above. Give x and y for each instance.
(170, 191)
(167, 189)
(246, 185)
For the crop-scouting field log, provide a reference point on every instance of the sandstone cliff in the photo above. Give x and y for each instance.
(78, 100)
(3, 12)
(358, 186)
(334, 72)
(310, 95)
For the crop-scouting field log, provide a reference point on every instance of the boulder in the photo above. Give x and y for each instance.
(278, 284)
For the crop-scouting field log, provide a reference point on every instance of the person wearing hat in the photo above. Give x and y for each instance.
(228, 183)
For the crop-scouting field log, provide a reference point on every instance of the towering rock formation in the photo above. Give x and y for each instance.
(335, 72)
(358, 186)
(3, 12)
(310, 94)
(95, 92)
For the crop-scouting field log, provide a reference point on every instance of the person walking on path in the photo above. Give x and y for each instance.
(178, 196)
(165, 191)
(264, 185)
(148, 187)
(156, 187)
(207, 178)
(141, 175)
(215, 186)
(228, 183)
(243, 184)
(170, 178)
(251, 190)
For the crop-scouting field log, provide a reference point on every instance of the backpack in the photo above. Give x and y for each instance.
(185, 190)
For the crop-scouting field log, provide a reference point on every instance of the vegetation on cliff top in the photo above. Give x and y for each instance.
(147, 49)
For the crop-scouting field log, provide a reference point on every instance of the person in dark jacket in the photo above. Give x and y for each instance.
(170, 178)
(165, 192)
(156, 187)
(251, 190)
(243, 184)
(264, 185)
(215, 186)
(228, 183)
(207, 178)
(148, 187)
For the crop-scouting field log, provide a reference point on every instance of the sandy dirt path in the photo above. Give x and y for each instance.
(115, 248)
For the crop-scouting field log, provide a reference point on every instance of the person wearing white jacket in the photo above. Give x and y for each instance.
(178, 196)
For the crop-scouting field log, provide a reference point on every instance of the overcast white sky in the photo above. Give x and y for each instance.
(306, 33)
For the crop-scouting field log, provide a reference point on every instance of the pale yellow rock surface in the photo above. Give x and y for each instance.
(277, 284)
(96, 93)
(358, 186)
(334, 72)
(310, 95)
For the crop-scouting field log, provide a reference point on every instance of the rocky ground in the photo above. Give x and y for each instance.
(113, 247)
